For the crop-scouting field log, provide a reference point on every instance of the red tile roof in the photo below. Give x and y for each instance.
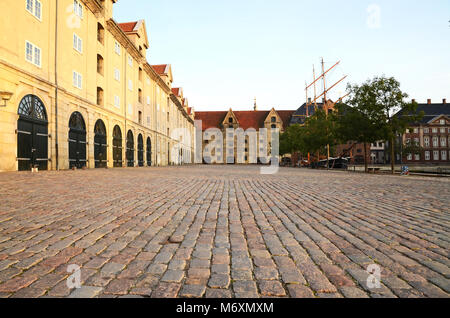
(210, 119)
(246, 119)
(176, 91)
(127, 26)
(160, 69)
(251, 119)
(286, 116)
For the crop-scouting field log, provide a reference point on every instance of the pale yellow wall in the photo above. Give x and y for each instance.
(21, 78)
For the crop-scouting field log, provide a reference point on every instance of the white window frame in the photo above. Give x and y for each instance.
(409, 157)
(33, 54)
(130, 85)
(78, 46)
(416, 157)
(436, 155)
(148, 100)
(426, 130)
(34, 7)
(442, 130)
(117, 74)
(444, 155)
(78, 8)
(130, 61)
(117, 48)
(427, 155)
(443, 142)
(117, 101)
(435, 142)
(77, 80)
(426, 141)
(442, 122)
(434, 130)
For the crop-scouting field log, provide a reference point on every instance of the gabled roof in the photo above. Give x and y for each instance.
(431, 111)
(246, 119)
(210, 119)
(285, 116)
(128, 26)
(161, 69)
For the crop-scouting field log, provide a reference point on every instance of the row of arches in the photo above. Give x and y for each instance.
(77, 145)
(32, 140)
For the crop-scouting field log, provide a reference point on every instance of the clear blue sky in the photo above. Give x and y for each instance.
(225, 53)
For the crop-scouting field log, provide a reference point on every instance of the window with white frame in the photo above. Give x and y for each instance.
(417, 157)
(117, 74)
(435, 142)
(416, 130)
(78, 8)
(77, 43)
(416, 141)
(130, 109)
(426, 130)
(435, 155)
(442, 130)
(130, 85)
(32, 54)
(130, 61)
(442, 122)
(409, 157)
(34, 7)
(427, 155)
(443, 141)
(77, 80)
(148, 100)
(117, 48)
(426, 141)
(117, 101)
(434, 130)
(443, 155)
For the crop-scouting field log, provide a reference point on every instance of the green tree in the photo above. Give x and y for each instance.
(319, 132)
(379, 100)
(352, 124)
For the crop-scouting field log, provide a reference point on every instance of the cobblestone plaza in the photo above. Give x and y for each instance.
(223, 231)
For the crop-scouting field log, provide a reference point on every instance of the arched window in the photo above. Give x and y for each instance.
(32, 107)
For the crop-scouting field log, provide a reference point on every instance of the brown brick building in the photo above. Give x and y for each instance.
(432, 133)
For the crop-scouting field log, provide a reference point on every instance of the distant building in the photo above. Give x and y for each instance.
(242, 119)
(432, 133)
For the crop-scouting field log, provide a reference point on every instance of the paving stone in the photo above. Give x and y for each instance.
(193, 291)
(86, 292)
(298, 233)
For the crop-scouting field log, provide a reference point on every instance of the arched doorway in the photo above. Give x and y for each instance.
(32, 134)
(117, 147)
(77, 141)
(130, 149)
(149, 152)
(100, 145)
(140, 151)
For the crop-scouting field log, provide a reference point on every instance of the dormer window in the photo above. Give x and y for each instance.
(230, 120)
(274, 119)
(442, 122)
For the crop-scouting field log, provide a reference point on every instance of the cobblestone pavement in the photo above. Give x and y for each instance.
(205, 231)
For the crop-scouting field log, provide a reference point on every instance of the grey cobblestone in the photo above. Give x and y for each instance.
(205, 231)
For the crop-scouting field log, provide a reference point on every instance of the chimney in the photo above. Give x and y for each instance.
(255, 107)
(444, 101)
(429, 101)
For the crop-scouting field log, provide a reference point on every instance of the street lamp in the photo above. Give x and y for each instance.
(5, 97)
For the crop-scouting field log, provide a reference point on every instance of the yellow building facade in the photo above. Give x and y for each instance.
(76, 90)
